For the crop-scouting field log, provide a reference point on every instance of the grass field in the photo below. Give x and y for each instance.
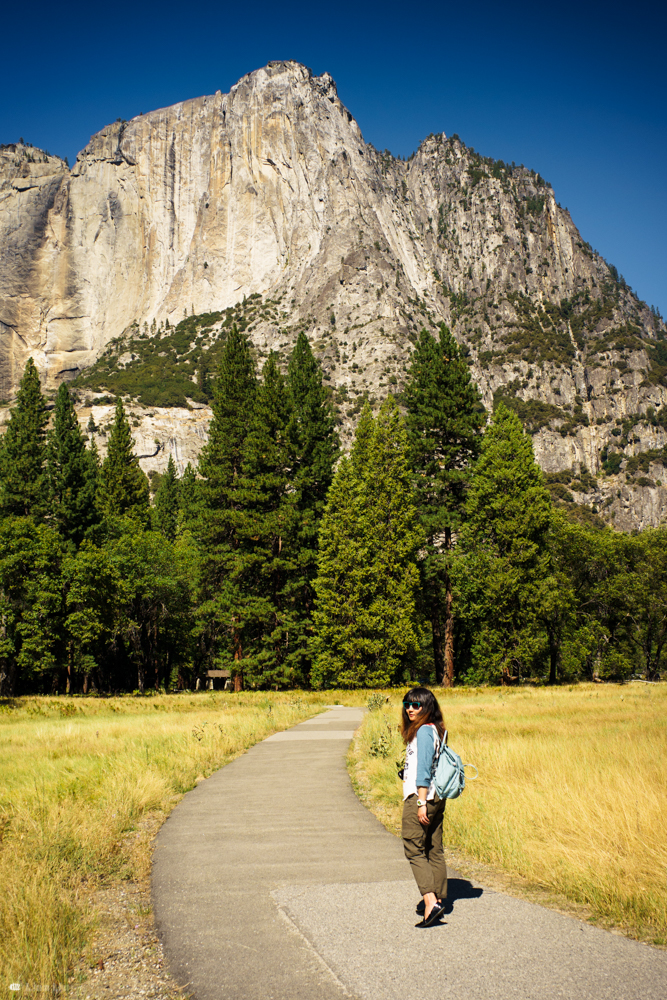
(571, 794)
(77, 775)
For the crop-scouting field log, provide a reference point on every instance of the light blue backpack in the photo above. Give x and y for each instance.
(449, 777)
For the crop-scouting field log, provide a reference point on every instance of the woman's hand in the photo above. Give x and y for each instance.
(422, 815)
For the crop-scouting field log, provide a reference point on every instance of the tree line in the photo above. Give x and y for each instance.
(432, 552)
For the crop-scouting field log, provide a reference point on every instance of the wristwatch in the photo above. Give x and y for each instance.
(420, 803)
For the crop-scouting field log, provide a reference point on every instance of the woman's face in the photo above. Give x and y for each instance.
(413, 710)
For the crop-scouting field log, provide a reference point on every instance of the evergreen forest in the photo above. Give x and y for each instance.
(434, 551)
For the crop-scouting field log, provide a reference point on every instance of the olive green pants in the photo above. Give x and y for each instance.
(423, 845)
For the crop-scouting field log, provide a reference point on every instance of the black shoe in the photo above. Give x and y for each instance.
(421, 906)
(435, 914)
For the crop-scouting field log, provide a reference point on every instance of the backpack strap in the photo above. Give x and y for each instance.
(439, 744)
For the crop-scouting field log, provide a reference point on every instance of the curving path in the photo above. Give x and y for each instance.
(272, 882)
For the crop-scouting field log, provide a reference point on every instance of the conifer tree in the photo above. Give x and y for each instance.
(71, 473)
(220, 466)
(505, 557)
(23, 486)
(167, 502)
(362, 440)
(122, 486)
(314, 447)
(233, 404)
(365, 619)
(444, 423)
(340, 583)
(261, 581)
(188, 499)
(203, 379)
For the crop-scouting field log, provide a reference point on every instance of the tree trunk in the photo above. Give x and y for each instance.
(448, 679)
(238, 656)
(70, 670)
(553, 658)
(448, 676)
(437, 649)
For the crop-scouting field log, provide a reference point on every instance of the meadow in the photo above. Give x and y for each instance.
(78, 776)
(571, 795)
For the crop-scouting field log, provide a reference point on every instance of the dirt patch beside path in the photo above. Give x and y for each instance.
(125, 959)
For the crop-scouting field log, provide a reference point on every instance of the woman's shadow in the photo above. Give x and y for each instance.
(460, 888)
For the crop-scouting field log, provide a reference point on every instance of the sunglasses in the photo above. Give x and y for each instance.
(412, 704)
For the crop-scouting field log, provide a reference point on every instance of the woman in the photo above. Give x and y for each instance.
(422, 729)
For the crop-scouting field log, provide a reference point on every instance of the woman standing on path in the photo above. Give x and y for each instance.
(422, 729)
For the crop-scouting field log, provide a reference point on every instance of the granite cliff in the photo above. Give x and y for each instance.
(267, 204)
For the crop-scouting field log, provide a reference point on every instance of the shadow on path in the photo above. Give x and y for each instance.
(460, 888)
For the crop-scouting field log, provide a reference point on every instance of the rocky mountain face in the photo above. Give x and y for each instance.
(266, 205)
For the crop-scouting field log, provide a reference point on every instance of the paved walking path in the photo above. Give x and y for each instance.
(272, 882)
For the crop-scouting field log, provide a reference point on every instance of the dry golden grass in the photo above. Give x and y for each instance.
(571, 794)
(77, 776)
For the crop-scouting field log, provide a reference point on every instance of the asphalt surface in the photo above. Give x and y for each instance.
(272, 881)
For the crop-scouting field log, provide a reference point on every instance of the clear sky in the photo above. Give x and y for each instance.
(577, 91)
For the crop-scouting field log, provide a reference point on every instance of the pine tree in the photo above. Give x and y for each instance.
(365, 620)
(220, 466)
(444, 423)
(23, 485)
(261, 580)
(71, 473)
(508, 506)
(188, 499)
(363, 437)
(313, 444)
(167, 502)
(504, 552)
(233, 403)
(122, 486)
(340, 583)
(203, 380)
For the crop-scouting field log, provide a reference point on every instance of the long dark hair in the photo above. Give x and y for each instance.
(430, 713)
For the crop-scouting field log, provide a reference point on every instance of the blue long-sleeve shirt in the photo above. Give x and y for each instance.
(426, 747)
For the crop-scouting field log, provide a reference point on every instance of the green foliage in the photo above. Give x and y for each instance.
(167, 502)
(31, 600)
(172, 364)
(611, 461)
(658, 359)
(23, 486)
(536, 334)
(153, 604)
(313, 445)
(267, 470)
(365, 621)
(444, 423)
(503, 558)
(541, 587)
(535, 204)
(634, 597)
(533, 413)
(189, 500)
(71, 473)
(260, 576)
(220, 466)
(122, 486)
(641, 462)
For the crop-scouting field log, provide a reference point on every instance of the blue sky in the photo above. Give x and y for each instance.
(576, 91)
